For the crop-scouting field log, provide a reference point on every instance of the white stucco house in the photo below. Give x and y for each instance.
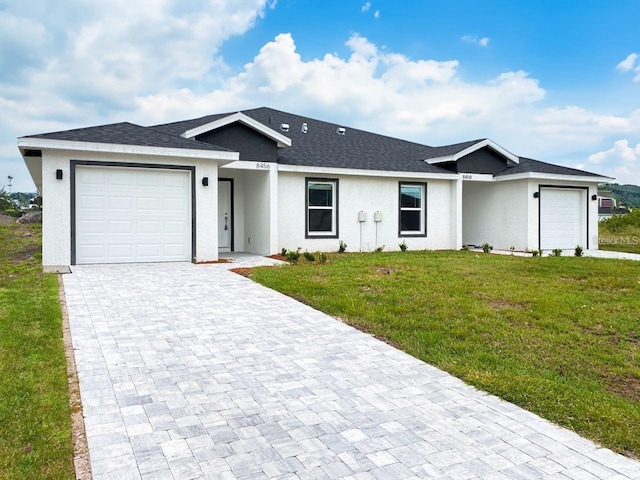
(261, 180)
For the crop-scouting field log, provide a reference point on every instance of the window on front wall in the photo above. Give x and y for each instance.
(322, 207)
(412, 209)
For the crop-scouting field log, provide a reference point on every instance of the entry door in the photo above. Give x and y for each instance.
(225, 215)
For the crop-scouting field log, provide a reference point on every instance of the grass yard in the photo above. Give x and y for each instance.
(621, 233)
(559, 336)
(35, 432)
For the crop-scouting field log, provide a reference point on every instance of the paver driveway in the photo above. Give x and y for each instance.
(191, 371)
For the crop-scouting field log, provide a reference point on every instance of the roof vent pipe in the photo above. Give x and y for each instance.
(305, 127)
(341, 131)
(284, 127)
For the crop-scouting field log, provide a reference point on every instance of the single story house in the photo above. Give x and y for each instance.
(261, 180)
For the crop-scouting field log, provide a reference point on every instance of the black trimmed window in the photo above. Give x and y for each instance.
(321, 208)
(412, 213)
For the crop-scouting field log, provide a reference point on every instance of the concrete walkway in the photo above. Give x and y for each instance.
(191, 371)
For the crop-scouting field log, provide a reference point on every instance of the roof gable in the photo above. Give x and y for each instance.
(240, 117)
(452, 154)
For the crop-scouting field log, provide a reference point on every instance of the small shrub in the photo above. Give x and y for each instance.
(283, 252)
(403, 246)
(309, 256)
(556, 252)
(512, 249)
(322, 257)
(536, 253)
(293, 256)
(486, 248)
(579, 251)
(379, 249)
(342, 247)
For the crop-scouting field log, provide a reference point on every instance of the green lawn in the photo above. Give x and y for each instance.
(35, 425)
(557, 336)
(621, 233)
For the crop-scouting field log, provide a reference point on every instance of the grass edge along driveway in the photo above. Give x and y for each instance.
(559, 337)
(35, 438)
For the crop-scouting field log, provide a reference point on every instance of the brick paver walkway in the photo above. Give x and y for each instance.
(191, 371)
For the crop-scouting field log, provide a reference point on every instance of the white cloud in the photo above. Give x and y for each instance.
(482, 42)
(155, 61)
(620, 161)
(376, 14)
(630, 64)
(621, 150)
(366, 7)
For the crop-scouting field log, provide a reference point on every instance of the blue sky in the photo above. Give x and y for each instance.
(558, 81)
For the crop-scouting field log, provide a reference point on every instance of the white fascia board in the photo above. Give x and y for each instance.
(476, 146)
(41, 143)
(553, 176)
(365, 173)
(281, 140)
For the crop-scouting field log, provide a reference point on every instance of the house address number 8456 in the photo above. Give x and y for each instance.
(263, 166)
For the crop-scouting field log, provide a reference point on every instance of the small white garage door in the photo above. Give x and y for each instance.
(132, 215)
(563, 218)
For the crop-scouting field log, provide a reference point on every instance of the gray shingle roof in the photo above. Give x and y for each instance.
(127, 134)
(321, 146)
(528, 165)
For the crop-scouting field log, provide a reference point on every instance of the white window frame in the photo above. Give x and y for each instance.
(333, 233)
(422, 209)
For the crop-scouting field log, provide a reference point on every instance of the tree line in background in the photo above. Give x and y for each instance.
(627, 195)
(15, 204)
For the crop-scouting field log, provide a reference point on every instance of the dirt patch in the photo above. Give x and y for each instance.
(385, 270)
(277, 256)
(626, 387)
(220, 260)
(504, 305)
(81, 461)
(244, 271)
(6, 219)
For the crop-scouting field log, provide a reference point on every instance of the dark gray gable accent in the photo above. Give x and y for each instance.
(237, 137)
(485, 160)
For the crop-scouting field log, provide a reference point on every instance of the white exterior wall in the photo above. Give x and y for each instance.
(496, 213)
(369, 194)
(56, 194)
(505, 213)
(257, 215)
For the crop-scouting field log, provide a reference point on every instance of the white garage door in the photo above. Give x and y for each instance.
(563, 218)
(132, 215)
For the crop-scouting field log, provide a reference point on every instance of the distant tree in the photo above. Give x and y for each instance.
(7, 205)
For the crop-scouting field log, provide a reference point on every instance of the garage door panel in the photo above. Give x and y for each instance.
(128, 215)
(563, 218)
(175, 227)
(152, 227)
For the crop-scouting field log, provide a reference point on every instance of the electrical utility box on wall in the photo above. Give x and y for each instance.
(362, 216)
(377, 216)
